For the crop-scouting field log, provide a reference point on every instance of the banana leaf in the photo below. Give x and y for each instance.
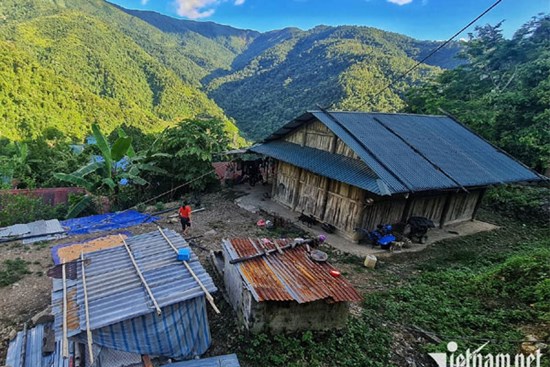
(87, 169)
(120, 148)
(103, 146)
(75, 180)
(79, 207)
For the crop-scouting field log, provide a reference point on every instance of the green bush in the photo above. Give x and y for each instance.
(522, 202)
(13, 271)
(24, 209)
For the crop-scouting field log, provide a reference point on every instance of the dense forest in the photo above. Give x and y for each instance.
(66, 65)
(282, 73)
(71, 64)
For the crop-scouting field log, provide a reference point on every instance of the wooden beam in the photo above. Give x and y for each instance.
(478, 203)
(445, 210)
(65, 341)
(86, 309)
(159, 312)
(206, 293)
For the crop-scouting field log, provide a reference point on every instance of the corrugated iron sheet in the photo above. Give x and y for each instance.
(229, 360)
(33, 352)
(337, 167)
(288, 276)
(412, 153)
(115, 292)
(41, 230)
(48, 229)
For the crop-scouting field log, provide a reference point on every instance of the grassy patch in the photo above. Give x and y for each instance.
(12, 271)
(489, 285)
(364, 342)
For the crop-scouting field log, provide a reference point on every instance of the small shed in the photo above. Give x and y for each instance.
(358, 169)
(169, 321)
(285, 291)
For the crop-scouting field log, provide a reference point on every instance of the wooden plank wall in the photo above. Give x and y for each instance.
(430, 207)
(286, 183)
(311, 194)
(462, 206)
(344, 207)
(383, 212)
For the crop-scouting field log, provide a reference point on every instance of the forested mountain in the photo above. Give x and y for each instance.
(281, 73)
(67, 64)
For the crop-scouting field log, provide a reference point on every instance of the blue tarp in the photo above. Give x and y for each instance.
(229, 360)
(181, 331)
(106, 222)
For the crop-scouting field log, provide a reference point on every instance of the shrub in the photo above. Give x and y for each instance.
(522, 202)
(24, 209)
(13, 271)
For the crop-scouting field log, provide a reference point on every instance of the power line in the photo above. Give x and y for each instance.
(418, 63)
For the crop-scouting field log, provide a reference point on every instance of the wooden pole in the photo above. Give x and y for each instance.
(65, 339)
(86, 308)
(206, 293)
(159, 312)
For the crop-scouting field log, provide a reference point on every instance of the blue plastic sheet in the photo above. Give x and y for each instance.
(106, 222)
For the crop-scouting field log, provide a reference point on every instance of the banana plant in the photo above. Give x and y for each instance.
(105, 174)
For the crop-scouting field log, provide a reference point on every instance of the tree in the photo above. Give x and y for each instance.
(118, 165)
(503, 92)
(186, 152)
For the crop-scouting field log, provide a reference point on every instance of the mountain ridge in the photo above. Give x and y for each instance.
(151, 70)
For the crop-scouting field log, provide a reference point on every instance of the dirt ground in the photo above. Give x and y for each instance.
(222, 218)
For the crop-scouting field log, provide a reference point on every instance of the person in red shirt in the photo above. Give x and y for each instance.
(185, 217)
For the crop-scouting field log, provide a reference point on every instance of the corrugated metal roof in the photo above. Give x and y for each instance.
(115, 292)
(33, 350)
(288, 276)
(417, 152)
(41, 230)
(337, 167)
(229, 360)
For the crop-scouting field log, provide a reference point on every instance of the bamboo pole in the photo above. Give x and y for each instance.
(206, 293)
(86, 308)
(159, 312)
(65, 339)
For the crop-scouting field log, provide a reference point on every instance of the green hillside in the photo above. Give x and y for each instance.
(292, 70)
(85, 61)
(69, 66)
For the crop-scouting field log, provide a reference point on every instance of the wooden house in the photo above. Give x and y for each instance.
(356, 169)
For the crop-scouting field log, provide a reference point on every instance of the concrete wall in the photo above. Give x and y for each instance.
(291, 316)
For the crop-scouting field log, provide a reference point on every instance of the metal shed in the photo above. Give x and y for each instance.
(171, 321)
(283, 291)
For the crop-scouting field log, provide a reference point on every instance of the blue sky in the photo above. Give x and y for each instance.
(422, 19)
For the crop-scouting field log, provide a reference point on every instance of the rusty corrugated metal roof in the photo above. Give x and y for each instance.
(288, 276)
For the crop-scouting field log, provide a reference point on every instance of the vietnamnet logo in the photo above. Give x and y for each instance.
(477, 359)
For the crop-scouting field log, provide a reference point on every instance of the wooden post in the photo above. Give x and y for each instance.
(333, 144)
(478, 203)
(159, 312)
(445, 210)
(65, 341)
(296, 197)
(407, 208)
(86, 309)
(206, 293)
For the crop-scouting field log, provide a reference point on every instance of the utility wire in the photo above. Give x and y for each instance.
(418, 63)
